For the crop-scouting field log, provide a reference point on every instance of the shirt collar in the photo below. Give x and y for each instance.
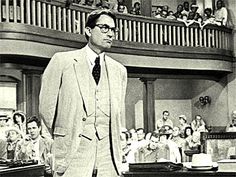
(91, 55)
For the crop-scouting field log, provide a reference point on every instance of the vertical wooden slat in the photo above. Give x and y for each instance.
(129, 30)
(39, 14)
(126, 29)
(49, 16)
(121, 29)
(78, 23)
(183, 36)
(14, 11)
(28, 12)
(165, 33)
(54, 18)
(200, 38)
(44, 15)
(64, 19)
(83, 22)
(33, 4)
(220, 40)
(187, 36)
(157, 33)
(73, 21)
(7, 11)
(148, 32)
(152, 33)
(174, 35)
(204, 38)
(196, 37)
(22, 11)
(139, 31)
(161, 34)
(209, 37)
(213, 38)
(134, 31)
(178, 36)
(170, 32)
(217, 39)
(223, 39)
(191, 37)
(69, 20)
(59, 18)
(0, 11)
(143, 32)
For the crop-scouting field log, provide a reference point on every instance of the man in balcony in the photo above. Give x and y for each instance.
(82, 102)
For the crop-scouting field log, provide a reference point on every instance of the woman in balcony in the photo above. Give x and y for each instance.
(221, 13)
(120, 7)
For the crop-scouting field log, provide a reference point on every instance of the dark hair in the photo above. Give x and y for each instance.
(34, 119)
(154, 134)
(136, 3)
(185, 130)
(14, 117)
(208, 9)
(138, 129)
(165, 112)
(95, 15)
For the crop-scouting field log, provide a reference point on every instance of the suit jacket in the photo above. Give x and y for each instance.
(64, 103)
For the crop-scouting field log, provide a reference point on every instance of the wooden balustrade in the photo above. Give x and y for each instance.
(54, 15)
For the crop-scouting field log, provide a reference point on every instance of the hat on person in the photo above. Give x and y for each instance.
(183, 117)
(194, 5)
(20, 113)
(201, 160)
(17, 130)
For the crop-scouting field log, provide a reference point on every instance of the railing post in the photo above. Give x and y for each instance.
(22, 13)
(1, 11)
(7, 11)
(49, 16)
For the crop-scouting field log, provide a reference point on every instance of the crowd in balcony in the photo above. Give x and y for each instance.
(188, 14)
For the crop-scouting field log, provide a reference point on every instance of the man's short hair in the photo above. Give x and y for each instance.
(165, 112)
(155, 134)
(34, 119)
(138, 129)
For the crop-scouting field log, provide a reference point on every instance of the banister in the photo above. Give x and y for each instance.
(56, 16)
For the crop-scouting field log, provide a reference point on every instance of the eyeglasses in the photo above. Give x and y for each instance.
(105, 28)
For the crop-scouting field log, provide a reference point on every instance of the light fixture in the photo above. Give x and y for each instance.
(205, 100)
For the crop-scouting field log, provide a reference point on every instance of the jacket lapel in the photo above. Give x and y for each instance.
(81, 69)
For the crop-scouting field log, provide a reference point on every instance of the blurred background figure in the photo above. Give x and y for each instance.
(19, 120)
(182, 124)
(185, 8)
(231, 127)
(120, 7)
(103, 4)
(3, 124)
(14, 137)
(136, 9)
(89, 3)
(165, 120)
(221, 13)
(198, 124)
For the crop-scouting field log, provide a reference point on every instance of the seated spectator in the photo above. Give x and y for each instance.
(164, 14)
(193, 14)
(209, 18)
(231, 127)
(19, 120)
(136, 10)
(141, 137)
(178, 13)
(164, 120)
(150, 152)
(194, 143)
(183, 124)
(171, 15)
(165, 7)
(120, 7)
(221, 14)
(168, 149)
(89, 3)
(185, 8)
(181, 142)
(188, 132)
(69, 2)
(36, 146)
(158, 12)
(14, 138)
(103, 4)
(198, 123)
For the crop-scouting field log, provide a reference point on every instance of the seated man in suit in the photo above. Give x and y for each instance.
(36, 146)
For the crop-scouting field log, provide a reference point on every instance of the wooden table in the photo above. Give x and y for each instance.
(26, 171)
(181, 173)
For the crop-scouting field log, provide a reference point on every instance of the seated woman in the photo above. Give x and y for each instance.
(198, 123)
(120, 7)
(19, 119)
(14, 139)
(231, 127)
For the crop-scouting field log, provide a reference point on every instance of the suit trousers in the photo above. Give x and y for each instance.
(93, 153)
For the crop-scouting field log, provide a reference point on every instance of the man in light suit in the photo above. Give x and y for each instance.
(82, 101)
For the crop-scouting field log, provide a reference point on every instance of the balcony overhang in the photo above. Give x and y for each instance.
(36, 45)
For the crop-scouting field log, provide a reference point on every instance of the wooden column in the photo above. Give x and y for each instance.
(146, 7)
(148, 104)
(33, 84)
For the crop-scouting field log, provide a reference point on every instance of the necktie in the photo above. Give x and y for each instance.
(96, 70)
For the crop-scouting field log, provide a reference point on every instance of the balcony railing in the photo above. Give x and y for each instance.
(54, 15)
